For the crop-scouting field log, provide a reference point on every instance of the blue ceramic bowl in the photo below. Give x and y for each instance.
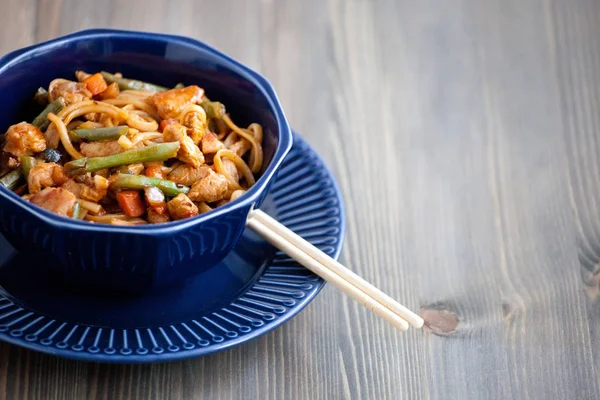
(142, 258)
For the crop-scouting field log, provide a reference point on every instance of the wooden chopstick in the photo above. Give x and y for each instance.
(367, 301)
(332, 271)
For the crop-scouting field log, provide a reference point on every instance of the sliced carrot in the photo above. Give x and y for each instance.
(95, 84)
(131, 203)
(166, 122)
(111, 92)
(154, 171)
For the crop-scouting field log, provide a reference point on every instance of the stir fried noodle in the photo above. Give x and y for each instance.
(107, 149)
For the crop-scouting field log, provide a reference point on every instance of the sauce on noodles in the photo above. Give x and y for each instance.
(108, 149)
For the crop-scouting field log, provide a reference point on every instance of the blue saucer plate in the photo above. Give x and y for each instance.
(253, 291)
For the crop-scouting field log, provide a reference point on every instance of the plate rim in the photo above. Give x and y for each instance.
(196, 352)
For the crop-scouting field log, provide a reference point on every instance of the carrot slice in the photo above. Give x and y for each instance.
(166, 122)
(154, 171)
(131, 203)
(111, 92)
(95, 84)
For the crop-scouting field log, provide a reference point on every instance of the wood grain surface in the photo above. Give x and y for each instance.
(465, 137)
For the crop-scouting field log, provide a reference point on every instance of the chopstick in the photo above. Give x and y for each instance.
(332, 271)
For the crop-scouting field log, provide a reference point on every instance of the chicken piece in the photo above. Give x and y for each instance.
(188, 152)
(182, 207)
(24, 139)
(52, 136)
(72, 187)
(57, 200)
(187, 175)
(93, 117)
(196, 126)
(92, 189)
(70, 91)
(211, 144)
(95, 190)
(45, 175)
(12, 163)
(240, 147)
(213, 187)
(101, 148)
(231, 169)
(172, 102)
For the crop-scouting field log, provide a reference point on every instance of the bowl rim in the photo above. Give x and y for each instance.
(247, 200)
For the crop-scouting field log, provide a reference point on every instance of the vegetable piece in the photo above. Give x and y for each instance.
(157, 152)
(12, 179)
(95, 84)
(155, 171)
(125, 143)
(76, 211)
(111, 92)
(51, 155)
(82, 75)
(133, 169)
(41, 97)
(131, 203)
(27, 162)
(92, 207)
(213, 109)
(132, 84)
(126, 181)
(42, 121)
(155, 199)
(179, 86)
(166, 122)
(108, 133)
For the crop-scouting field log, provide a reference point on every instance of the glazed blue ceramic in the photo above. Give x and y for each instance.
(252, 291)
(142, 258)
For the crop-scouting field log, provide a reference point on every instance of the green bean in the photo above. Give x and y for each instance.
(132, 84)
(12, 179)
(169, 188)
(41, 97)
(108, 133)
(41, 121)
(213, 109)
(27, 162)
(157, 152)
(76, 211)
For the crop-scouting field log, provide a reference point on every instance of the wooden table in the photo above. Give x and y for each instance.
(465, 138)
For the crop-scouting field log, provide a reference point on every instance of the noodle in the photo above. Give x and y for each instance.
(64, 136)
(142, 121)
(257, 153)
(107, 142)
(195, 109)
(239, 163)
(145, 136)
(139, 104)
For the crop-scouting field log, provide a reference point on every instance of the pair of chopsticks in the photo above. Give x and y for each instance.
(332, 271)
